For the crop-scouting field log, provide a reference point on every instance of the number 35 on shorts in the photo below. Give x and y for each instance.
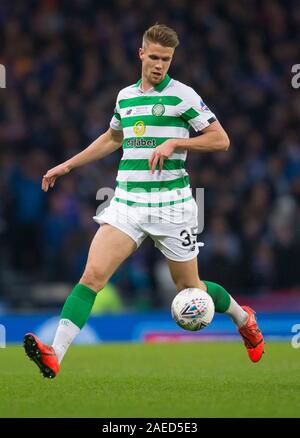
(189, 237)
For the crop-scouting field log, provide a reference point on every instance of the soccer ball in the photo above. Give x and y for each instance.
(192, 309)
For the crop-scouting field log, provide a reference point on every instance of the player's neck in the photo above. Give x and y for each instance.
(145, 84)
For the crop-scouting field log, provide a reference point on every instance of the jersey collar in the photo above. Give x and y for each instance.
(159, 87)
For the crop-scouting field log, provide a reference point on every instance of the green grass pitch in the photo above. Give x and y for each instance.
(154, 380)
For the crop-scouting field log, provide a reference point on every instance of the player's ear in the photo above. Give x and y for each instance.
(141, 53)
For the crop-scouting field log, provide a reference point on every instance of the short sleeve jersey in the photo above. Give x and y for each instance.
(168, 110)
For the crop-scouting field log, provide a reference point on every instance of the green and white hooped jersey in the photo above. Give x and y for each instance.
(147, 119)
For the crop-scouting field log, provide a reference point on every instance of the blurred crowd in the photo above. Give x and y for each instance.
(65, 63)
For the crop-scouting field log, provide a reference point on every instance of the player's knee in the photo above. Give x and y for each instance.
(94, 279)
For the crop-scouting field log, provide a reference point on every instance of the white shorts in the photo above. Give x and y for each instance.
(172, 228)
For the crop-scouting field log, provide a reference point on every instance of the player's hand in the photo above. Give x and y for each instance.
(50, 177)
(161, 153)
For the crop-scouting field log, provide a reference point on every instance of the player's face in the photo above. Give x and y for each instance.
(156, 61)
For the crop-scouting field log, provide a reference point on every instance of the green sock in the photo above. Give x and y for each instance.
(78, 305)
(220, 296)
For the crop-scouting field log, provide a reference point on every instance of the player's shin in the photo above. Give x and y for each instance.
(74, 315)
(224, 303)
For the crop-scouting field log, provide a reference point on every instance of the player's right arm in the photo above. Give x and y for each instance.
(104, 145)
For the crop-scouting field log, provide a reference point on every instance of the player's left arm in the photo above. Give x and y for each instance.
(194, 112)
(212, 139)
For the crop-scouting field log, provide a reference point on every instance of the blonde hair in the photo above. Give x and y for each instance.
(161, 34)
